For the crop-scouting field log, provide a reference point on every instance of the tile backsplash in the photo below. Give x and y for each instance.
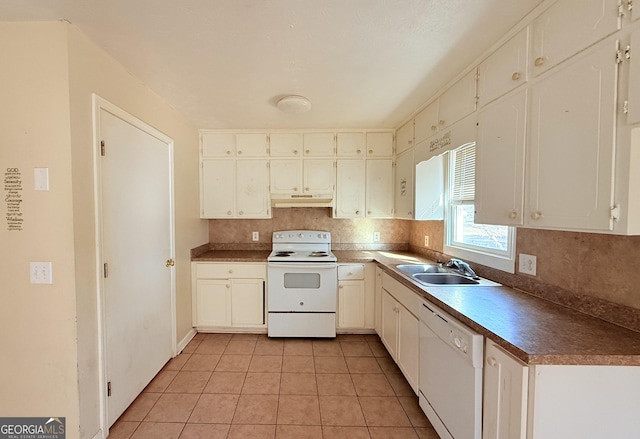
(594, 273)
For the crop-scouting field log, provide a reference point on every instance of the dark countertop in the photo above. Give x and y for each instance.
(532, 329)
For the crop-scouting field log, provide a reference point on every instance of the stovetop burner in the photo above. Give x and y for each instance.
(318, 254)
(284, 253)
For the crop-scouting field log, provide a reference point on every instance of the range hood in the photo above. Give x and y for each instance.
(297, 200)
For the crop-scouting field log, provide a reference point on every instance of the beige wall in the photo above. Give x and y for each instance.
(50, 71)
(38, 371)
(93, 71)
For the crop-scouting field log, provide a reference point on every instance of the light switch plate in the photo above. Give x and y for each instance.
(41, 179)
(255, 236)
(376, 236)
(40, 273)
(527, 264)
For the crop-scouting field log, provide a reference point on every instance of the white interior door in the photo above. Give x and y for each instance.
(137, 242)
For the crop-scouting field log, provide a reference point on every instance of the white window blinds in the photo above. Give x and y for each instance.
(464, 174)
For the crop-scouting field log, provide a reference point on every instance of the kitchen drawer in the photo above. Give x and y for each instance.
(215, 270)
(408, 298)
(351, 272)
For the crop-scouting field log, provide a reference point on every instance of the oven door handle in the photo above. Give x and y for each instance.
(303, 265)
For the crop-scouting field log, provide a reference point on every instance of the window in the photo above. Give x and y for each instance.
(486, 244)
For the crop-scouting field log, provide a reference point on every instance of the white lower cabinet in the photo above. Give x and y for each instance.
(228, 296)
(400, 327)
(356, 297)
(558, 401)
(505, 395)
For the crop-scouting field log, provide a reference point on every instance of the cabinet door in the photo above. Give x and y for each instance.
(247, 302)
(379, 188)
(252, 189)
(379, 144)
(285, 145)
(554, 40)
(217, 191)
(319, 144)
(505, 69)
(404, 137)
(351, 304)
(457, 101)
(408, 346)
(350, 144)
(389, 323)
(633, 116)
(504, 406)
(319, 176)
(213, 306)
(572, 145)
(500, 161)
(404, 186)
(285, 176)
(217, 144)
(251, 145)
(377, 299)
(350, 191)
(426, 122)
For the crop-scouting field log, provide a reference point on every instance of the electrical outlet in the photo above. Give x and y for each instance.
(255, 236)
(40, 273)
(426, 240)
(527, 264)
(376, 236)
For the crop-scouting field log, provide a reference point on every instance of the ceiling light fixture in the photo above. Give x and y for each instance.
(294, 104)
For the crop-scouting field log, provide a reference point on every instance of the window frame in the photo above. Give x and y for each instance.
(501, 260)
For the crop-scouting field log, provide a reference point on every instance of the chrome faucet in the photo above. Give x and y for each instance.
(462, 267)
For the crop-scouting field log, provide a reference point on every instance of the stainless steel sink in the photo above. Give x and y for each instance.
(444, 279)
(411, 269)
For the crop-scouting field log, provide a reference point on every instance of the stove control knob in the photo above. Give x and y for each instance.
(301, 235)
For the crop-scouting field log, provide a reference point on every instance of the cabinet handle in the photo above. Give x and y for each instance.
(241, 213)
(295, 189)
(230, 271)
(513, 215)
(341, 287)
(228, 286)
(228, 212)
(358, 151)
(357, 212)
(295, 151)
(516, 76)
(368, 212)
(491, 361)
(539, 61)
(371, 151)
(228, 152)
(536, 215)
(306, 189)
(434, 127)
(410, 142)
(239, 152)
(307, 151)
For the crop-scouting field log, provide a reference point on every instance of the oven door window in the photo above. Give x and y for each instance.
(307, 281)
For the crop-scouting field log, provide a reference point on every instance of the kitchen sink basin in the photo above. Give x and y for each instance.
(444, 279)
(411, 269)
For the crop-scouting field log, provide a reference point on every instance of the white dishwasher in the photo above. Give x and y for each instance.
(450, 383)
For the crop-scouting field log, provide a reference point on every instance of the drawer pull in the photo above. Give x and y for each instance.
(539, 61)
(516, 76)
(491, 361)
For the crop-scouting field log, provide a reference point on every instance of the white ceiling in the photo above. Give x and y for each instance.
(225, 63)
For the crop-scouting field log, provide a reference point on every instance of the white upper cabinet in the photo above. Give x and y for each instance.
(252, 190)
(309, 177)
(351, 144)
(318, 176)
(426, 122)
(633, 115)
(285, 145)
(404, 186)
(218, 144)
(319, 144)
(500, 151)
(217, 189)
(251, 145)
(350, 189)
(458, 101)
(568, 27)
(379, 144)
(404, 137)
(504, 70)
(379, 188)
(285, 176)
(571, 155)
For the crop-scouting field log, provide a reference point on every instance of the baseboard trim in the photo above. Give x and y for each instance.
(185, 341)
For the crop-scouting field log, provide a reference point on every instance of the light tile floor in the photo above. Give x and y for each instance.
(250, 386)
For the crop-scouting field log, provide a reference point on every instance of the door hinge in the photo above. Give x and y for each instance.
(629, 5)
(619, 57)
(102, 148)
(615, 212)
(477, 74)
(627, 52)
(620, 9)
(108, 388)
(105, 270)
(625, 107)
